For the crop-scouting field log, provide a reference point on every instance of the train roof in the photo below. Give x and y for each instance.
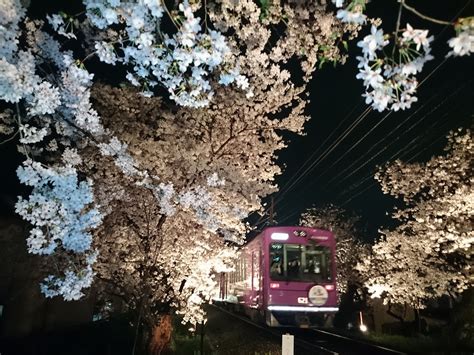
(289, 229)
(313, 229)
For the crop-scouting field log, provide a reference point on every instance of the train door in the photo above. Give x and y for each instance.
(256, 283)
(262, 295)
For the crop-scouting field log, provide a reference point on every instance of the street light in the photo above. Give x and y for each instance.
(362, 326)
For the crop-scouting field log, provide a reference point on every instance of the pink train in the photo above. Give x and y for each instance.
(286, 276)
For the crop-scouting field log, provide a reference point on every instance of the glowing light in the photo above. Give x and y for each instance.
(280, 236)
(362, 326)
(319, 237)
(329, 287)
(376, 290)
(274, 285)
(303, 309)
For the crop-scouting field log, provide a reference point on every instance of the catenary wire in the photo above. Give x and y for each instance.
(399, 154)
(386, 147)
(426, 78)
(416, 123)
(403, 156)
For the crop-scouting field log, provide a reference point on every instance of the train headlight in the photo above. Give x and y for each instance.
(280, 236)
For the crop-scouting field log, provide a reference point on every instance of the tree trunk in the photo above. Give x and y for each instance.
(417, 321)
(161, 336)
(394, 315)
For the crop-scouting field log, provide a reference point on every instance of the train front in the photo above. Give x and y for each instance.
(299, 276)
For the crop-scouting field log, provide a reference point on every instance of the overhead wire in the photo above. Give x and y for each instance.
(333, 146)
(328, 150)
(408, 151)
(385, 148)
(371, 174)
(401, 150)
(424, 80)
(397, 154)
(402, 156)
(284, 188)
(392, 142)
(378, 123)
(358, 141)
(375, 145)
(362, 116)
(298, 178)
(321, 145)
(410, 128)
(419, 85)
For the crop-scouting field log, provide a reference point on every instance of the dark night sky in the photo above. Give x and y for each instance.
(344, 176)
(445, 103)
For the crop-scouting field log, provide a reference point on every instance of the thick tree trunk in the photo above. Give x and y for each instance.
(417, 321)
(161, 336)
(394, 315)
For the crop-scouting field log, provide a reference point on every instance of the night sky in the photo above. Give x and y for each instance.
(318, 173)
(315, 171)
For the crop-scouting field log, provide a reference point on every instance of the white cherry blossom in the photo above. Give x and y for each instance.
(430, 253)
(351, 17)
(392, 84)
(462, 44)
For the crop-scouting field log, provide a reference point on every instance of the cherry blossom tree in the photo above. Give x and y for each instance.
(139, 191)
(430, 253)
(142, 184)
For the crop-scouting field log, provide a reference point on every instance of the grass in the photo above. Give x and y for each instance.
(189, 345)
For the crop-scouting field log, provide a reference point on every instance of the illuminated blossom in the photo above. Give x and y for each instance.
(351, 17)
(106, 53)
(163, 188)
(57, 22)
(45, 99)
(462, 44)
(389, 83)
(168, 64)
(429, 254)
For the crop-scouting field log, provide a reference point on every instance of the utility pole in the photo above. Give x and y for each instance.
(271, 211)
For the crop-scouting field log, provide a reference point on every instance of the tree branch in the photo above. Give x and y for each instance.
(419, 14)
(11, 138)
(397, 27)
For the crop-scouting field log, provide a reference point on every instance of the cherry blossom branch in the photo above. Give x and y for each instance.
(169, 14)
(228, 140)
(19, 129)
(425, 17)
(161, 221)
(397, 27)
(205, 14)
(11, 138)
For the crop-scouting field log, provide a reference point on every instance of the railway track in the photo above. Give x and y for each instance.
(341, 344)
(318, 341)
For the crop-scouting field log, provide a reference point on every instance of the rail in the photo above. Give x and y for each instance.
(334, 343)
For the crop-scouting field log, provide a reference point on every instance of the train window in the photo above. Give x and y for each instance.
(296, 262)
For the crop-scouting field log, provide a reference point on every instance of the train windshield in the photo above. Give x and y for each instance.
(296, 262)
